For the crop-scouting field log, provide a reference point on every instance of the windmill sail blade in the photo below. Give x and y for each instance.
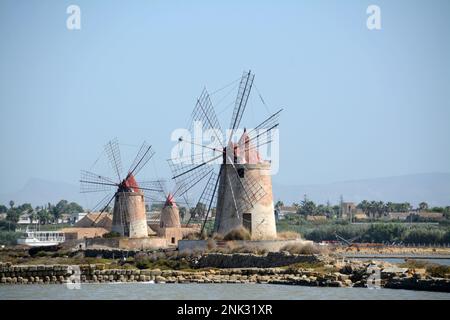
(181, 167)
(204, 114)
(94, 177)
(270, 123)
(102, 204)
(258, 139)
(207, 196)
(157, 185)
(252, 189)
(254, 192)
(143, 156)
(187, 175)
(104, 209)
(241, 101)
(113, 152)
(153, 190)
(187, 182)
(91, 182)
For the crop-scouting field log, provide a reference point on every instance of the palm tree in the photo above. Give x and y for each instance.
(365, 207)
(33, 217)
(373, 209)
(43, 216)
(380, 209)
(390, 207)
(11, 204)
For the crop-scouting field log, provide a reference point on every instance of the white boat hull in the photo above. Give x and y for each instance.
(36, 243)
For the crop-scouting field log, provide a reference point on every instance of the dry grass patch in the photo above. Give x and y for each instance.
(288, 235)
(239, 233)
(434, 269)
(192, 236)
(302, 248)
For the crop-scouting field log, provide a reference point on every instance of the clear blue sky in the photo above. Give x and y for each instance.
(358, 103)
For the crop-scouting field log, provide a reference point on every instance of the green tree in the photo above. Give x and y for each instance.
(365, 207)
(199, 211)
(11, 204)
(26, 207)
(307, 208)
(53, 212)
(447, 213)
(382, 209)
(74, 207)
(405, 207)
(335, 210)
(323, 210)
(3, 209)
(61, 207)
(33, 217)
(423, 206)
(279, 204)
(390, 207)
(182, 211)
(44, 216)
(13, 215)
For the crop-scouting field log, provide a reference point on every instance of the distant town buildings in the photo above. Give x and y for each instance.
(285, 210)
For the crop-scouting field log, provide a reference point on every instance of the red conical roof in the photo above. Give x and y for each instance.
(130, 182)
(170, 201)
(245, 150)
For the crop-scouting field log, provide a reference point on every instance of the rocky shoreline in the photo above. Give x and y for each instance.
(336, 274)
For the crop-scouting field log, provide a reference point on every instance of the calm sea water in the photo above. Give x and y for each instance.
(151, 291)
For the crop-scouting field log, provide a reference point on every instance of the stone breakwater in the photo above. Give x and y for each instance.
(350, 275)
(249, 260)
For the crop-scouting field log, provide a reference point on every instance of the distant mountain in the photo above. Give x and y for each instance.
(433, 188)
(39, 192)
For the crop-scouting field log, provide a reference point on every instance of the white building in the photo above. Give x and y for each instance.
(75, 217)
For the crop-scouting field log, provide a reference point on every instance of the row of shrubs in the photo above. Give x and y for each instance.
(9, 237)
(375, 233)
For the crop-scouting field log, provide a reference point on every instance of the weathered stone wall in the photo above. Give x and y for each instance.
(109, 253)
(102, 242)
(54, 274)
(128, 243)
(171, 234)
(348, 276)
(143, 243)
(247, 260)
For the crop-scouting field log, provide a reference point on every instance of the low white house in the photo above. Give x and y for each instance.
(25, 219)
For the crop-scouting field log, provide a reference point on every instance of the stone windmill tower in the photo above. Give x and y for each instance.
(170, 214)
(241, 190)
(254, 187)
(129, 214)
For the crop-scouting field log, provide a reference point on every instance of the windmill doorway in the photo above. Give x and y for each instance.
(247, 221)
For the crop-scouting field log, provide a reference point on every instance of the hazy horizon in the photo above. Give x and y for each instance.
(433, 188)
(358, 104)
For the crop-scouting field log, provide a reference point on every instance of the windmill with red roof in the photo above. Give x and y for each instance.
(240, 188)
(129, 213)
